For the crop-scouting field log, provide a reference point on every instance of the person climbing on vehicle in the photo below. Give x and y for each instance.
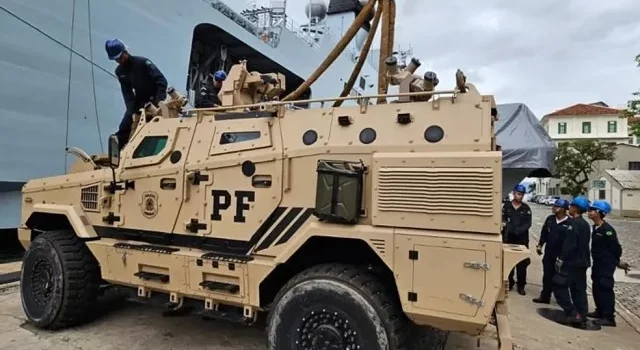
(570, 280)
(140, 81)
(517, 221)
(209, 92)
(552, 236)
(606, 252)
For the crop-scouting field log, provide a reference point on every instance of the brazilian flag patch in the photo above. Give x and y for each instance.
(609, 233)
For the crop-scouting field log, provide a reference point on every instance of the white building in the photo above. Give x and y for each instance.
(586, 121)
(621, 188)
(595, 121)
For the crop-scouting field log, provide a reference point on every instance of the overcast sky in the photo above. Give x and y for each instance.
(548, 54)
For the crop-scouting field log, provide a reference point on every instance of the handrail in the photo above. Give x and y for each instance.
(328, 99)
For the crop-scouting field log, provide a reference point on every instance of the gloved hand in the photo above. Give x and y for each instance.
(625, 266)
(558, 265)
(539, 250)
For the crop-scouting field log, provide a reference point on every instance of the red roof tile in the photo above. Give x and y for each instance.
(584, 109)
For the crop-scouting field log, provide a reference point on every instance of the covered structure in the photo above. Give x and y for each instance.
(621, 188)
(527, 148)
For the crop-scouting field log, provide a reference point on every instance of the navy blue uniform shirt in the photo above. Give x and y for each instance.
(141, 81)
(606, 248)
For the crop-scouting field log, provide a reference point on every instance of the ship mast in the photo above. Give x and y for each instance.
(385, 12)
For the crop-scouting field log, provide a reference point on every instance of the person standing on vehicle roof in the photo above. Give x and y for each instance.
(140, 81)
(552, 235)
(606, 252)
(209, 94)
(570, 281)
(516, 216)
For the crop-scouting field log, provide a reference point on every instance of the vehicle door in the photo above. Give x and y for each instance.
(234, 184)
(153, 169)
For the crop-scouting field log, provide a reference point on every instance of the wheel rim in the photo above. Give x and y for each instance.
(42, 282)
(326, 330)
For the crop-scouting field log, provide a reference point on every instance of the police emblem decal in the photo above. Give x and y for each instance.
(149, 204)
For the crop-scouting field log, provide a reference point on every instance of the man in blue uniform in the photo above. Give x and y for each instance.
(606, 252)
(516, 216)
(209, 94)
(552, 235)
(140, 81)
(571, 266)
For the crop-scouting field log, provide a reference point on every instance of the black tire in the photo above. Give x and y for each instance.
(339, 304)
(59, 281)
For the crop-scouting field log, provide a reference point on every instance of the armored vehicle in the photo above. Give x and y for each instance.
(348, 227)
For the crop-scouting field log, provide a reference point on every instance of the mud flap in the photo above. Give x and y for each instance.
(505, 342)
(558, 317)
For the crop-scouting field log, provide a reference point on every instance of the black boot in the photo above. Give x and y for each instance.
(605, 322)
(594, 314)
(521, 291)
(542, 300)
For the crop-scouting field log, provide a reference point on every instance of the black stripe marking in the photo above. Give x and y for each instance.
(266, 225)
(295, 227)
(279, 228)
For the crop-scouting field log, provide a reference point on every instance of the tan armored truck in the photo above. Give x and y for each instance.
(348, 227)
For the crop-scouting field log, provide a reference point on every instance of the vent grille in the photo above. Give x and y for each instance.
(457, 191)
(379, 245)
(89, 198)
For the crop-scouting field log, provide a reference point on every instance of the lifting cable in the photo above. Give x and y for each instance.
(364, 52)
(348, 36)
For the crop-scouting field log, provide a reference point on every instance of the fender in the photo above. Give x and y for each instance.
(78, 221)
(512, 255)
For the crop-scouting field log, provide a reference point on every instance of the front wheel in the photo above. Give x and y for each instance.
(337, 307)
(59, 281)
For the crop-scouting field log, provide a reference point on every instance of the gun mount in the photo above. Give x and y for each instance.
(244, 88)
(408, 81)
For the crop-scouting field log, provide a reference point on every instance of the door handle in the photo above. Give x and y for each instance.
(261, 181)
(168, 184)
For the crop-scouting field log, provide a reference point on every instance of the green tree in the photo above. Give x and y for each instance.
(633, 107)
(575, 161)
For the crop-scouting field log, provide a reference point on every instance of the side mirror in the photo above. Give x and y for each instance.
(114, 151)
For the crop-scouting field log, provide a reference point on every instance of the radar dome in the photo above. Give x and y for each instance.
(316, 9)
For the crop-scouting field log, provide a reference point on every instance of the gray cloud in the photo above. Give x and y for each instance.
(548, 54)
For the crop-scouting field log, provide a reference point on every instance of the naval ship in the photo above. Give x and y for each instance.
(58, 88)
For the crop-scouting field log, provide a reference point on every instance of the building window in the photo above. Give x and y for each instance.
(150, 146)
(612, 126)
(637, 140)
(634, 165)
(562, 128)
(602, 194)
(586, 127)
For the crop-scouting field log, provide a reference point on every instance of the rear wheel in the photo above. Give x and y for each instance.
(59, 281)
(336, 306)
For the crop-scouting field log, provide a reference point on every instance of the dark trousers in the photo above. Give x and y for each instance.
(521, 268)
(124, 130)
(548, 271)
(571, 285)
(603, 294)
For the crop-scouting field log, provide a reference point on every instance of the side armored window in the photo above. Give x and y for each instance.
(233, 137)
(150, 146)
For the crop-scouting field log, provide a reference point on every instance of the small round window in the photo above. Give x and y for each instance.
(367, 135)
(310, 137)
(433, 134)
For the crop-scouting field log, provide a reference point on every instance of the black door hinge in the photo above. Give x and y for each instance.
(413, 296)
(413, 255)
(111, 218)
(195, 225)
(197, 178)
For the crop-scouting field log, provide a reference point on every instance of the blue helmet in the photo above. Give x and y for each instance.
(520, 188)
(114, 48)
(581, 202)
(220, 76)
(601, 206)
(561, 203)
